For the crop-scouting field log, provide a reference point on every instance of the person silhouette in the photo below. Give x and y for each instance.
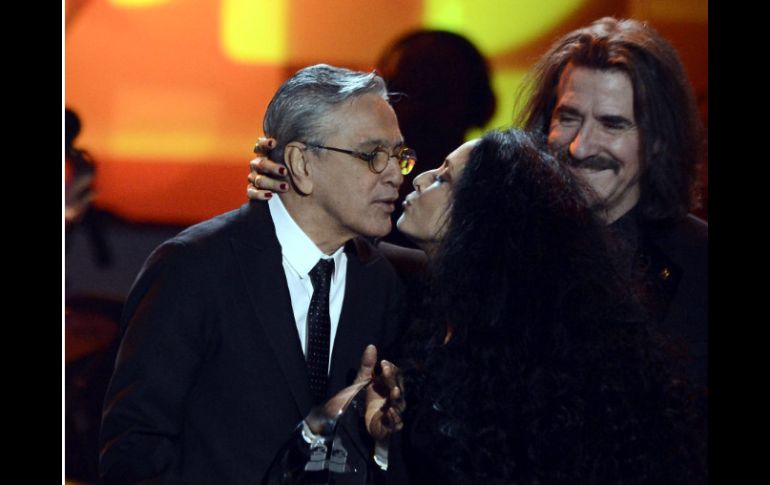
(442, 89)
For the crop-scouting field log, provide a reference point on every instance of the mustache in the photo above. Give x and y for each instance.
(596, 162)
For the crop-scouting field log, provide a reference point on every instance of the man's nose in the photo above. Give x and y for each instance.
(583, 145)
(393, 172)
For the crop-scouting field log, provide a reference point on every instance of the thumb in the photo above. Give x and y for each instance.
(368, 361)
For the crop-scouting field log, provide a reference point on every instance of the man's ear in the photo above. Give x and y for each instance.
(299, 167)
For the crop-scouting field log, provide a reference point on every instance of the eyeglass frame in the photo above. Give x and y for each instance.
(369, 157)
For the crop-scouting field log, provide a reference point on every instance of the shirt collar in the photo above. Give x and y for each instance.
(297, 248)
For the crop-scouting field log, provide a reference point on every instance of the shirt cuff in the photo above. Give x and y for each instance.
(308, 436)
(381, 454)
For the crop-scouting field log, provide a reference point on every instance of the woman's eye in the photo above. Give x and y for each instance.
(438, 179)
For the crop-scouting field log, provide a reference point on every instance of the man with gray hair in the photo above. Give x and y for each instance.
(238, 326)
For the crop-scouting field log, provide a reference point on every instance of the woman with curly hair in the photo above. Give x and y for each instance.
(536, 363)
(532, 361)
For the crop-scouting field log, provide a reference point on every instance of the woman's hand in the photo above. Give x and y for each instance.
(265, 176)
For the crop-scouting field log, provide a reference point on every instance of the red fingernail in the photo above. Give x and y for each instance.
(282, 171)
(283, 186)
(268, 195)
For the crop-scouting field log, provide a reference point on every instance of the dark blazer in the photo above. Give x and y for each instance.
(210, 379)
(672, 259)
(678, 256)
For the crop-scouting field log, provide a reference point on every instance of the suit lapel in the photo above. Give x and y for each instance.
(355, 330)
(259, 258)
(352, 329)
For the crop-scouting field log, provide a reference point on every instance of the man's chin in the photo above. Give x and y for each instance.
(379, 232)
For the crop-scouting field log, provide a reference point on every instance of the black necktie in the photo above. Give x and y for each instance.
(319, 329)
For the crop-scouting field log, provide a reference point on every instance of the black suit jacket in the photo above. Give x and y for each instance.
(672, 259)
(210, 379)
(683, 256)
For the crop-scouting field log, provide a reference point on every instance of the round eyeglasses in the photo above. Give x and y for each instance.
(379, 157)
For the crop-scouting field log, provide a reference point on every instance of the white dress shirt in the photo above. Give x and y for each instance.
(299, 256)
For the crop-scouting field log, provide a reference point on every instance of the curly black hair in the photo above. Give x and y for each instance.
(552, 373)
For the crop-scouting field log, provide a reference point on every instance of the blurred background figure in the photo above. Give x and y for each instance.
(444, 86)
(79, 171)
(91, 320)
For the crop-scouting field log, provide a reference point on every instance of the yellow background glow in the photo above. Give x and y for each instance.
(171, 93)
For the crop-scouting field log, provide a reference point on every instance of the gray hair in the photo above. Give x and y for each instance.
(298, 109)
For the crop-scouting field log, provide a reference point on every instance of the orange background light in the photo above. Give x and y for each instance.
(171, 93)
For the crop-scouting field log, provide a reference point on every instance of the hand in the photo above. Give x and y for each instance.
(384, 401)
(265, 176)
(322, 418)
